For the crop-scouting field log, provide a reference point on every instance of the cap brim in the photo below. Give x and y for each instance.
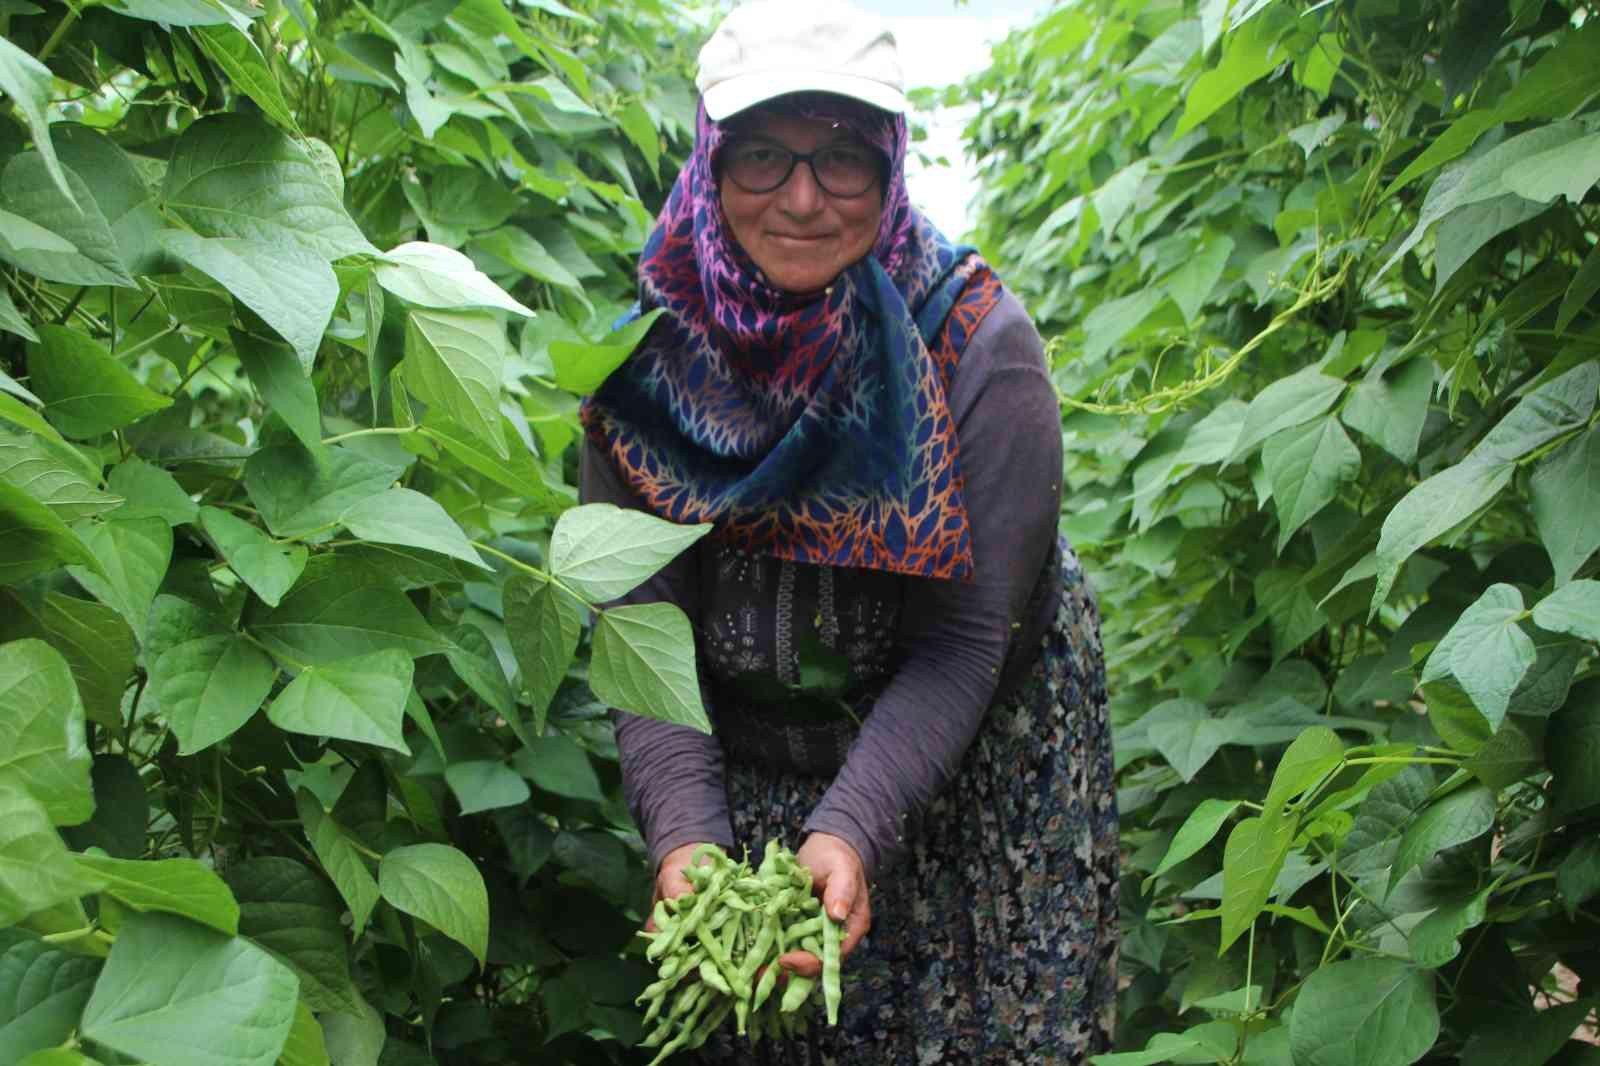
(745, 91)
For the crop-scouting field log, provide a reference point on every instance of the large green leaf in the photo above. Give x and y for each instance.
(439, 885)
(12, 321)
(86, 392)
(33, 539)
(287, 909)
(342, 609)
(1310, 757)
(1572, 748)
(407, 517)
(1251, 860)
(58, 237)
(1463, 815)
(1569, 170)
(119, 190)
(1248, 54)
(473, 657)
(644, 663)
(1186, 734)
(454, 360)
(1285, 403)
(1555, 408)
(1197, 830)
(1364, 1012)
(237, 55)
(1534, 1038)
(1487, 651)
(149, 490)
(485, 785)
(35, 869)
(280, 380)
(431, 275)
(582, 367)
(42, 993)
(559, 766)
(1573, 608)
(1583, 288)
(1434, 941)
(235, 177)
(28, 83)
(42, 743)
(543, 625)
(602, 551)
(1578, 877)
(305, 1045)
(340, 859)
(183, 887)
(178, 993)
(134, 554)
(518, 248)
(1306, 466)
(1432, 509)
(269, 567)
(207, 683)
(354, 1039)
(1564, 496)
(361, 698)
(291, 287)
(50, 474)
(299, 494)
(1391, 411)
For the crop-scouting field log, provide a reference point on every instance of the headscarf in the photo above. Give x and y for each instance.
(812, 427)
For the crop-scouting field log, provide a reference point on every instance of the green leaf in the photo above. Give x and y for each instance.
(1431, 509)
(32, 538)
(269, 568)
(291, 287)
(1292, 615)
(475, 661)
(340, 859)
(602, 551)
(42, 743)
(118, 189)
(635, 122)
(582, 368)
(235, 177)
(42, 993)
(1463, 815)
(1555, 408)
(1251, 860)
(280, 380)
(1306, 466)
(12, 321)
(1197, 831)
(544, 626)
(342, 609)
(1572, 748)
(354, 1039)
(1391, 412)
(1113, 320)
(431, 275)
(454, 360)
(86, 392)
(519, 249)
(1466, 229)
(1581, 291)
(1193, 282)
(1249, 54)
(299, 494)
(35, 870)
(1487, 651)
(50, 474)
(517, 472)
(559, 766)
(178, 993)
(149, 490)
(1578, 876)
(30, 86)
(1285, 403)
(1310, 758)
(1364, 1012)
(1569, 170)
(184, 887)
(407, 517)
(1505, 758)
(1573, 608)
(1169, 1051)
(644, 663)
(121, 810)
(1434, 941)
(305, 1045)
(239, 58)
(133, 555)
(484, 785)
(1533, 1038)
(59, 237)
(207, 686)
(362, 699)
(182, 12)
(290, 911)
(1186, 735)
(439, 885)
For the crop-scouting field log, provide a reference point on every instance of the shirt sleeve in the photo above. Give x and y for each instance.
(672, 775)
(956, 634)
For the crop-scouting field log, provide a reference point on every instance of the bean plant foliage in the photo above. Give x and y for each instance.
(1321, 281)
(303, 668)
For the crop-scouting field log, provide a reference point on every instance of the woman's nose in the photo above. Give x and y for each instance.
(801, 195)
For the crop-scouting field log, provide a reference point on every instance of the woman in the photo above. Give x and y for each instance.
(900, 657)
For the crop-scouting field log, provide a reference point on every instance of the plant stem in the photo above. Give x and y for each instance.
(376, 431)
(59, 34)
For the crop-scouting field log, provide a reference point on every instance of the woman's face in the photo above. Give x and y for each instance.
(800, 235)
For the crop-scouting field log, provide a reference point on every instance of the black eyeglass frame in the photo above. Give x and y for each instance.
(795, 159)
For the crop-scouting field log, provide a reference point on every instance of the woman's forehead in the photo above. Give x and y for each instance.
(795, 131)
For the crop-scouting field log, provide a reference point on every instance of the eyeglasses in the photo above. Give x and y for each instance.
(843, 170)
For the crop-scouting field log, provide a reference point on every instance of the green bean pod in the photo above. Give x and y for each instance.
(831, 931)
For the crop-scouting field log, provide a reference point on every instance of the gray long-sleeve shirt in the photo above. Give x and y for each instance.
(922, 659)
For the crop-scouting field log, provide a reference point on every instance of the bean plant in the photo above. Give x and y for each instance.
(1320, 287)
(303, 659)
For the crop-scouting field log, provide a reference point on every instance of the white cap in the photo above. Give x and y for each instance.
(767, 48)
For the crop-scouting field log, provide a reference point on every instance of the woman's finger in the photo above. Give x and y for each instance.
(801, 963)
(856, 926)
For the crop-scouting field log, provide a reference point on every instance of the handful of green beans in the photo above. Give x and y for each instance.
(717, 947)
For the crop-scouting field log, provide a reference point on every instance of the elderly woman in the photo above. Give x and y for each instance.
(900, 656)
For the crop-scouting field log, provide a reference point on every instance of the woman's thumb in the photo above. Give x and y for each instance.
(839, 895)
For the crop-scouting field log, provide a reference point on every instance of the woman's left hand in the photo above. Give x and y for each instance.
(839, 878)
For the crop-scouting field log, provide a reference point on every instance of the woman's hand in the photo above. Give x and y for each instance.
(670, 882)
(839, 878)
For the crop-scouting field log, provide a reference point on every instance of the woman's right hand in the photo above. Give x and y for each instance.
(670, 882)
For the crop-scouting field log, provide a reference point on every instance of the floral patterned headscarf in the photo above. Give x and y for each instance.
(812, 427)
